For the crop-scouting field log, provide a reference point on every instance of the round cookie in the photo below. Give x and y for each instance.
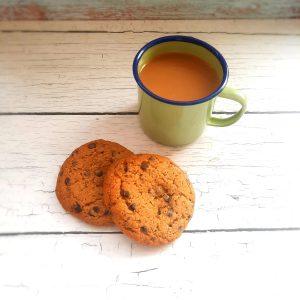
(79, 185)
(151, 198)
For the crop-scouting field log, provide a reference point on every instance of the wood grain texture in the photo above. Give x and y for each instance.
(244, 175)
(142, 9)
(244, 239)
(91, 72)
(215, 265)
(252, 27)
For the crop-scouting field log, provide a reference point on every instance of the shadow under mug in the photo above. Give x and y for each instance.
(177, 123)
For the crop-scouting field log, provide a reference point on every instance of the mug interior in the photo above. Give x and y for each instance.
(181, 44)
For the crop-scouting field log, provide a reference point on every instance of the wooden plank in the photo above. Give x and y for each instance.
(141, 9)
(91, 72)
(276, 26)
(244, 176)
(234, 266)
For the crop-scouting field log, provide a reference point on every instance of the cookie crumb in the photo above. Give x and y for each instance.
(151, 192)
(91, 145)
(86, 173)
(94, 211)
(170, 212)
(106, 212)
(159, 191)
(144, 165)
(167, 198)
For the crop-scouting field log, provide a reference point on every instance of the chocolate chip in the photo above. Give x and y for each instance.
(189, 217)
(152, 158)
(167, 198)
(113, 153)
(159, 212)
(124, 194)
(92, 145)
(96, 209)
(61, 173)
(77, 208)
(132, 207)
(106, 212)
(74, 163)
(170, 212)
(180, 228)
(99, 173)
(144, 165)
(68, 181)
(144, 229)
(125, 167)
(86, 173)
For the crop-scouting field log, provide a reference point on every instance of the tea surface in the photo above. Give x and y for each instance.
(179, 77)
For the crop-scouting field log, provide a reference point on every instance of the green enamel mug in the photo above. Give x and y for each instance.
(178, 123)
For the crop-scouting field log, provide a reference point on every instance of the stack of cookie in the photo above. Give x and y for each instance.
(146, 195)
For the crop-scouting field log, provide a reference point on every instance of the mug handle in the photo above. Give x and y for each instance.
(232, 94)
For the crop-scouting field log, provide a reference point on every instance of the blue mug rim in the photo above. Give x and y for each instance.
(187, 39)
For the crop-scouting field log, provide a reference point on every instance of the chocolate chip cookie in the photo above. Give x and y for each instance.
(151, 198)
(79, 185)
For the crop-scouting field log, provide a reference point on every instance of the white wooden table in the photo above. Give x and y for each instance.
(65, 83)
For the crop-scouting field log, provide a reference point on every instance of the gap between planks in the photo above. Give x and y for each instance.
(149, 31)
(231, 230)
(227, 26)
(130, 113)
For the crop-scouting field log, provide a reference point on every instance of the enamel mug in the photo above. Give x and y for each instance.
(177, 123)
